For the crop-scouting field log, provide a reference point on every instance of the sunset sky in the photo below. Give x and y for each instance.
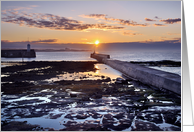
(76, 22)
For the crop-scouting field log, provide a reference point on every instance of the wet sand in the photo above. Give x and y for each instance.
(73, 96)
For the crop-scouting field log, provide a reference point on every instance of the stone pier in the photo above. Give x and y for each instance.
(146, 75)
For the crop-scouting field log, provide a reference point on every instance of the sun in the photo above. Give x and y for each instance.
(97, 42)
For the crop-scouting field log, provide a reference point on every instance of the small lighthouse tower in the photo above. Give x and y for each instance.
(28, 47)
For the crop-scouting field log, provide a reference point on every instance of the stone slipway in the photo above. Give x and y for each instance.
(153, 77)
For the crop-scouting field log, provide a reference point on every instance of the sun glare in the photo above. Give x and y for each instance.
(97, 42)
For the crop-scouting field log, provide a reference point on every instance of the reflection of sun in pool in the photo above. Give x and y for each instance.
(97, 69)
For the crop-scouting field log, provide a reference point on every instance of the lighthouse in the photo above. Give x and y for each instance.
(28, 47)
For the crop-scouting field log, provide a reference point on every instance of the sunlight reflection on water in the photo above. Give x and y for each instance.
(103, 70)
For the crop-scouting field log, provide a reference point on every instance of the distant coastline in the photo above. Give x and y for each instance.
(54, 50)
(60, 50)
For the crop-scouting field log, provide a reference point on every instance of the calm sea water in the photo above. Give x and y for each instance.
(123, 55)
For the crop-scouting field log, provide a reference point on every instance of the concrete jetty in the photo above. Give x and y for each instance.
(153, 77)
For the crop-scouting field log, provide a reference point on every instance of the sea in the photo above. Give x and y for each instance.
(124, 55)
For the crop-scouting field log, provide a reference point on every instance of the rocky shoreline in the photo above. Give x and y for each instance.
(34, 97)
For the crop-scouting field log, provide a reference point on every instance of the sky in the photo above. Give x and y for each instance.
(56, 23)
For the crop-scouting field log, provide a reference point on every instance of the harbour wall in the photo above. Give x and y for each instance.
(18, 53)
(146, 75)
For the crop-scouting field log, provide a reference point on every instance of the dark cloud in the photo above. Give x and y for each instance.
(35, 42)
(147, 19)
(131, 23)
(171, 21)
(94, 16)
(120, 21)
(50, 21)
(159, 25)
(45, 41)
(157, 17)
(173, 40)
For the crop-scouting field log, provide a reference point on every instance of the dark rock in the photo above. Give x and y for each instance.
(172, 128)
(51, 129)
(18, 126)
(70, 123)
(73, 95)
(119, 80)
(69, 116)
(170, 118)
(96, 115)
(85, 98)
(108, 79)
(85, 127)
(82, 116)
(52, 116)
(145, 126)
(98, 128)
(123, 124)
(153, 117)
(108, 120)
(119, 116)
(97, 95)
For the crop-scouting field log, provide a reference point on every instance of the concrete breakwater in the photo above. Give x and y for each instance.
(153, 77)
(18, 53)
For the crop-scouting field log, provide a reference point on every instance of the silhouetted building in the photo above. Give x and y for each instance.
(29, 53)
(28, 48)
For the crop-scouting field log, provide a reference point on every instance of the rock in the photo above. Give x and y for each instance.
(123, 124)
(52, 116)
(145, 126)
(102, 76)
(85, 98)
(108, 79)
(96, 115)
(108, 120)
(85, 127)
(170, 118)
(98, 128)
(119, 116)
(18, 126)
(70, 123)
(82, 116)
(97, 96)
(156, 118)
(119, 80)
(51, 129)
(73, 95)
(69, 116)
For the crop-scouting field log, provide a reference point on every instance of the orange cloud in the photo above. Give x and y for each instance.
(120, 21)
(96, 16)
(173, 33)
(147, 19)
(131, 34)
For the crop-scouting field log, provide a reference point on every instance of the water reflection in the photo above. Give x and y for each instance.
(102, 71)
